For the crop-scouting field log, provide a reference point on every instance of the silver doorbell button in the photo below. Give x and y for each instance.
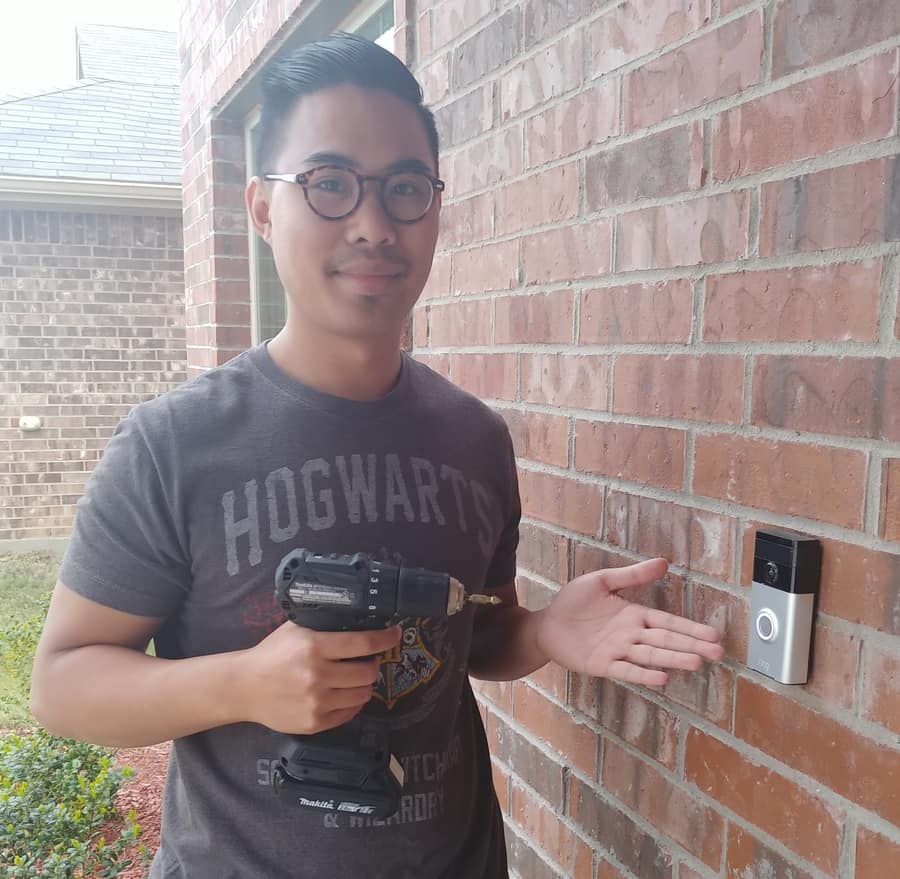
(786, 570)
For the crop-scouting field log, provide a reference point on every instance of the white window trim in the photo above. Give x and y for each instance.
(360, 16)
(250, 121)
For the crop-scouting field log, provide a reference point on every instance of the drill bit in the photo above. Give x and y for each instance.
(457, 597)
(483, 599)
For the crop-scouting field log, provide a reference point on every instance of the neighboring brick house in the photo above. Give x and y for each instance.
(91, 268)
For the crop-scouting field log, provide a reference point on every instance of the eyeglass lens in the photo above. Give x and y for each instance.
(335, 192)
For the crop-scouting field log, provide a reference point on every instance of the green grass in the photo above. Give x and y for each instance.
(26, 580)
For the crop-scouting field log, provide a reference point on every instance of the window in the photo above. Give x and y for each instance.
(374, 21)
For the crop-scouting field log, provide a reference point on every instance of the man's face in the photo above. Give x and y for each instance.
(358, 276)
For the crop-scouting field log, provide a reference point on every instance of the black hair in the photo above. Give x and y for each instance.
(338, 59)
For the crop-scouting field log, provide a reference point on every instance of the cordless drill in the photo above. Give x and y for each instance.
(350, 768)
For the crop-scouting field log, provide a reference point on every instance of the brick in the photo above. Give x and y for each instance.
(545, 19)
(485, 375)
(806, 34)
(793, 815)
(889, 516)
(695, 539)
(543, 826)
(638, 851)
(835, 660)
(637, 313)
(440, 363)
(850, 106)
(605, 870)
(546, 197)
(881, 691)
(524, 861)
(582, 121)
(484, 163)
(667, 807)
(666, 594)
(434, 78)
(466, 117)
(543, 553)
(785, 477)
(705, 230)
(810, 304)
(747, 856)
(540, 318)
(565, 380)
(551, 679)
(439, 280)
(568, 254)
(452, 17)
(488, 49)
(501, 783)
(706, 387)
(639, 27)
(485, 268)
(539, 437)
(548, 74)
(716, 65)
(876, 855)
(634, 453)
(460, 323)
(499, 693)
(573, 505)
(641, 723)
(857, 584)
(543, 773)
(708, 693)
(466, 221)
(849, 206)
(660, 165)
(727, 613)
(848, 396)
(574, 741)
(867, 774)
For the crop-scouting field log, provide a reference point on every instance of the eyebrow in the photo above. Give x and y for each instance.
(328, 158)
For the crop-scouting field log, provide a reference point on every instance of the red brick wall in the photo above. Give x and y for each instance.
(93, 313)
(671, 258)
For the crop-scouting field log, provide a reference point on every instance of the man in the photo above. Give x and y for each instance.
(327, 438)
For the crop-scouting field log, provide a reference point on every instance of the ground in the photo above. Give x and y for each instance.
(143, 793)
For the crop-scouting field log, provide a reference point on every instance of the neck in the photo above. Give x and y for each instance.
(355, 369)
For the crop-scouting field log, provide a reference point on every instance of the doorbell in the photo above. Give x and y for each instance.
(786, 569)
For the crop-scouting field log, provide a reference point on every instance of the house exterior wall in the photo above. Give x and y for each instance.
(93, 323)
(670, 257)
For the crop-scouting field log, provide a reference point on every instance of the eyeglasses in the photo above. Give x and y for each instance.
(334, 192)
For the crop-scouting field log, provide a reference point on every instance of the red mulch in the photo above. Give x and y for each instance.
(143, 793)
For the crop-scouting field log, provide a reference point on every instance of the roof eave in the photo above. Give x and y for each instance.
(66, 192)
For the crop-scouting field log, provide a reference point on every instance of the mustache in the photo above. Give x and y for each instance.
(383, 255)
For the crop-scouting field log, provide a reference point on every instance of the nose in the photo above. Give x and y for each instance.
(369, 222)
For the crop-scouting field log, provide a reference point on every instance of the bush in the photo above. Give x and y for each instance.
(18, 641)
(57, 797)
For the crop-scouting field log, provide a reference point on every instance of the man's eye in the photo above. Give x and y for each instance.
(329, 184)
(407, 186)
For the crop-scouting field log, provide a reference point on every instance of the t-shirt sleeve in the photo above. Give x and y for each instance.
(127, 550)
(502, 569)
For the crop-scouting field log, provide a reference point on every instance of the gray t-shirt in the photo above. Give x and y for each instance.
(198, 496)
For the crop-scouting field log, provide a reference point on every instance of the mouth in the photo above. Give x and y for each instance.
(371, 277)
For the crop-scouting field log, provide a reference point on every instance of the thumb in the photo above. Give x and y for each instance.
(639, 574)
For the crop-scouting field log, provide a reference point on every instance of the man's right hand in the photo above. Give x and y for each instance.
(300, 681)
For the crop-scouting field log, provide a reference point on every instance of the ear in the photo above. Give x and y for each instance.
(257, 196)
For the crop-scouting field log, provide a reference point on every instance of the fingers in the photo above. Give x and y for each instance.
(621, 670)
(352, 645)
(660, 619)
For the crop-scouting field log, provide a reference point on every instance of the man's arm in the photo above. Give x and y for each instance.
(589, 629)
(93, 680)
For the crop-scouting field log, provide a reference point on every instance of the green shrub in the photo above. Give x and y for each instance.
(57, 797)
(18, 641)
